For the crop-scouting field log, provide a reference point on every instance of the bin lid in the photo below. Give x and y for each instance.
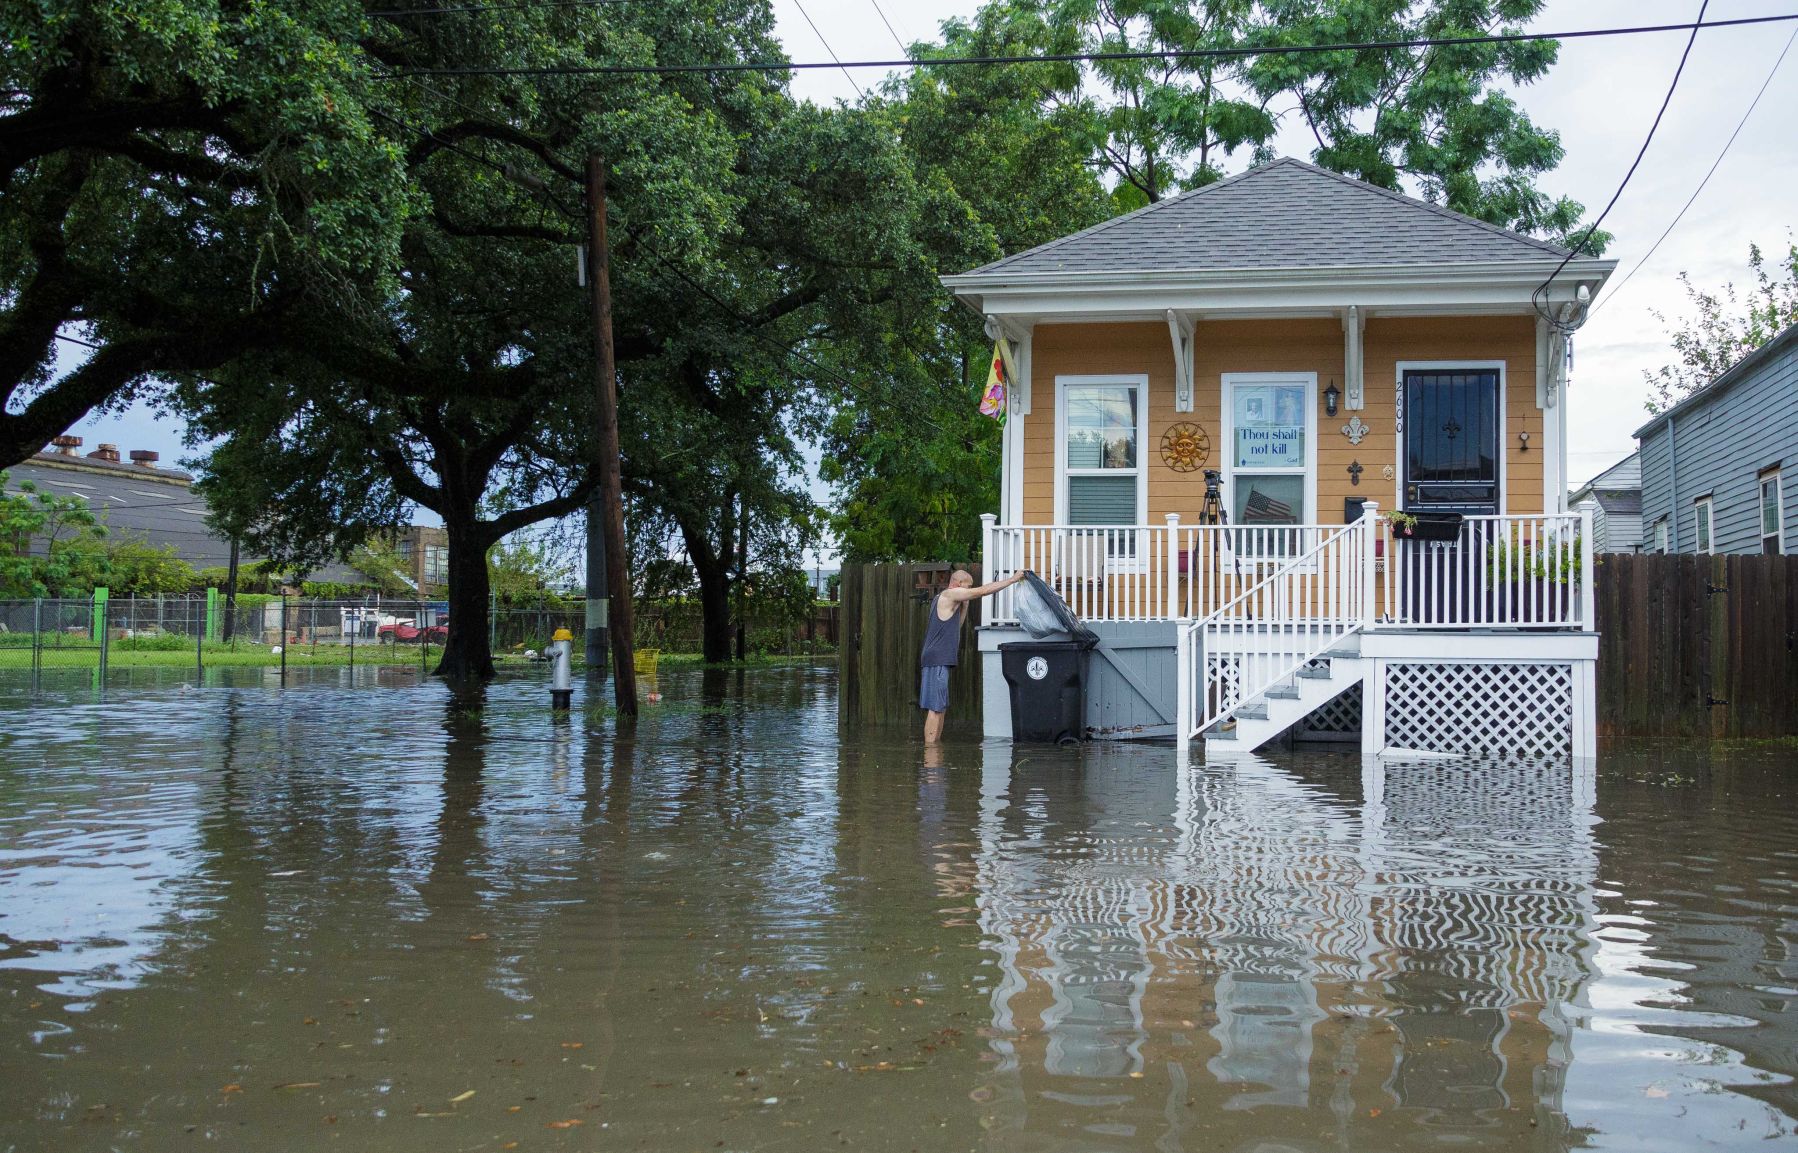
(1042, 613)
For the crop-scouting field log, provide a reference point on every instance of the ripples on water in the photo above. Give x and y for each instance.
(364, 918)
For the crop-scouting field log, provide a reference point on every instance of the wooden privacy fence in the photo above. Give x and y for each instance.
(1697, 646)
(884, 610)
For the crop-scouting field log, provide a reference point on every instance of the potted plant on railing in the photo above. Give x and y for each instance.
(1533, 580)
(1402, 524)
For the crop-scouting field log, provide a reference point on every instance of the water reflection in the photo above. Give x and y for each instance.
(323, 918)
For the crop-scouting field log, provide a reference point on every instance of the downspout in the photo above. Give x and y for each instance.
(1673, 469)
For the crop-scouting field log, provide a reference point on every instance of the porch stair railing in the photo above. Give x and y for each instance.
(1262, 638)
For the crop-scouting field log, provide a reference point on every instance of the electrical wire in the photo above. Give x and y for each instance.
(1680, 215)
(879, 11)
(827, 48)
(1537, 297)
(1088, 57)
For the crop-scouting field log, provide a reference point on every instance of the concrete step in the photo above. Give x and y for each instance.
(1316, 672)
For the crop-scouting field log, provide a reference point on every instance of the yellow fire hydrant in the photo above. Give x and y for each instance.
(561, 669)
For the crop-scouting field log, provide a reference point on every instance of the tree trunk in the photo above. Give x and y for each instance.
(712, 566)
(468, 654)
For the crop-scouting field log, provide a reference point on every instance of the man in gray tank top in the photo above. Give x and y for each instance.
(942, 640)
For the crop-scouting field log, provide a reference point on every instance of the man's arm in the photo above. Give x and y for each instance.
(956, 596)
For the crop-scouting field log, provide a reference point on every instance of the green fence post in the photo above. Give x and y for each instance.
(100, 596)
(212, 614)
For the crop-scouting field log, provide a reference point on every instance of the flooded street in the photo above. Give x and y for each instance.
(336, 917)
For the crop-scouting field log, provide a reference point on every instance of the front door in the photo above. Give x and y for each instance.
(1451, 440)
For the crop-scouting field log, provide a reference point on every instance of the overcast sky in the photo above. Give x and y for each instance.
(1601, 97)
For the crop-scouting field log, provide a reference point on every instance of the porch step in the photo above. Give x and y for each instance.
(1283, 706)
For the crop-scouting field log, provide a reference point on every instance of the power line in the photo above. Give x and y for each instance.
(829, 49)
(1740, 124)
(1537, 296)
(879, 11)
(1088, 57)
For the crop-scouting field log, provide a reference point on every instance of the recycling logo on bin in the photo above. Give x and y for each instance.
(1037, 668)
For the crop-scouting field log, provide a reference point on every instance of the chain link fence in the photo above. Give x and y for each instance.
(202, 630)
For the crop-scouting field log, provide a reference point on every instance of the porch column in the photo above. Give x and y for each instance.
(1180, 328)
(1354, 320)
(1551, 401)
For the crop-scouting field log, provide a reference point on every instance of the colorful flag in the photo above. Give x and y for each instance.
(992, 402)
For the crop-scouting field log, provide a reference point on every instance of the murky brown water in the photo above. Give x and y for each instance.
(319, 918)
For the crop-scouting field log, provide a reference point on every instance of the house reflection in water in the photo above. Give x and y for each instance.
(1388, 949)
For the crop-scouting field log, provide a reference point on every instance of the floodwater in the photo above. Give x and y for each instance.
(353, 915)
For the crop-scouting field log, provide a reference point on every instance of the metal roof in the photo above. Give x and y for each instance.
(155, 505)
(1283, 214)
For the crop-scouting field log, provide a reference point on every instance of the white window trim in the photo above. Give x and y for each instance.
(1504, 453)
(1661, 538)
(1141, 383)
(1228, 425)
(1703, 508)
(1777, 476)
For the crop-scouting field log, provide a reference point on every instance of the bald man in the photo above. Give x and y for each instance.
(942, 641)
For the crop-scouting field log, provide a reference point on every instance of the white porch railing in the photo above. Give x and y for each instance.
(1272, 629)
(1502, 572)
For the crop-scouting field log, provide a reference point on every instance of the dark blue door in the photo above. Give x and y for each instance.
(1451, 440)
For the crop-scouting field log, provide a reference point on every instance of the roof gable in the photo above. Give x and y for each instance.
(1284, 214)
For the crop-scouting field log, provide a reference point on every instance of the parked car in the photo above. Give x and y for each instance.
(405, 632)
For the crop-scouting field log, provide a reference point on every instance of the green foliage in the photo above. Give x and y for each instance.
(522, 570)
(1727, 327)
(136, 568)
(177, 176)
(50, 545)
(379, 560)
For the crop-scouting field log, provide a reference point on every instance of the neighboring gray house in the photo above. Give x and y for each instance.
(1617, 491)
(1719, 468)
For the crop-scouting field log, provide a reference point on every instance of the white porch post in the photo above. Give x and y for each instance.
(987, 560)
(1183, 679)
(1370, 521)
(1373, 709)
(1588, 578)
(1173, 566)
(1354, 319)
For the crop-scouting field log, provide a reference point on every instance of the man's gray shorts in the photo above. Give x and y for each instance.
(933, 689)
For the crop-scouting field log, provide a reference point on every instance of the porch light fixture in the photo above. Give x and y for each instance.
(1523, 441)
(1332, 397)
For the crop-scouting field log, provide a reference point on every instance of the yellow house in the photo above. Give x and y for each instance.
(1294, 447)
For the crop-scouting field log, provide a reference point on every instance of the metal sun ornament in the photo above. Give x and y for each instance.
(1185, 447)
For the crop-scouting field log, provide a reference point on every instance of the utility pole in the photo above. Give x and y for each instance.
(607, 505)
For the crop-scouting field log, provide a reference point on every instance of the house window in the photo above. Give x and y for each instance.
(1701, 513)
(436, 564)
(1102, 432)
(1660, 535)
(1269, 446)
(1772, 512)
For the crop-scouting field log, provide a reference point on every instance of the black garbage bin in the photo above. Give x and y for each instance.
(1048, 689)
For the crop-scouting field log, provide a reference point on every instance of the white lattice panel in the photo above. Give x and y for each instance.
(1515, 711)
(1339, 714)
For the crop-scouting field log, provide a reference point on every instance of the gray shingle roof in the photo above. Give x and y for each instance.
(1284, 214)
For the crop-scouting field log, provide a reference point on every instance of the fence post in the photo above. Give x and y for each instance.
(212, 613)
(1183, 682)
(1370, 535)
(283, 636)
(987, 572)
(37, 629)
(354, 625)
(1588, 616)
(100, 595)
(424, 638)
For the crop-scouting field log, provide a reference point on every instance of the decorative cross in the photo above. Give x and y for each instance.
(1354, 471)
